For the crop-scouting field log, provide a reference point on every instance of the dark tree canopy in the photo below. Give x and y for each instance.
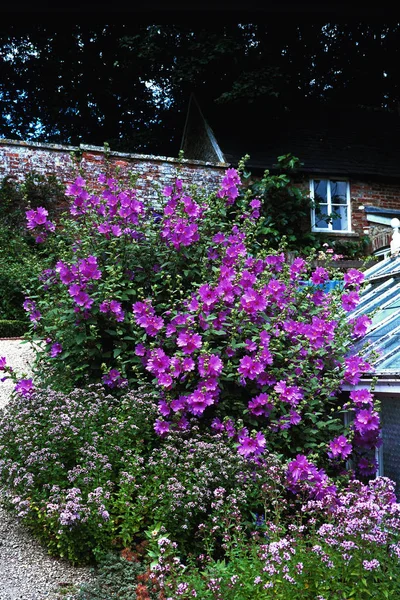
(129, 84)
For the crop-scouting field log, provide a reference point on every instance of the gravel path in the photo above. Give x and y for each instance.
(27, 572)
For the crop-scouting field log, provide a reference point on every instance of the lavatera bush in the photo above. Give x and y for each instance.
(187, 297)
(239, 347)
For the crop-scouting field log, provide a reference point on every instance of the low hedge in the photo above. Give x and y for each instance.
(14, 328)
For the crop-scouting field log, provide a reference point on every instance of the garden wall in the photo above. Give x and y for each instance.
(18, 158)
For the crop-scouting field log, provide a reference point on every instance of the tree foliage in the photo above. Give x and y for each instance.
(128, 84)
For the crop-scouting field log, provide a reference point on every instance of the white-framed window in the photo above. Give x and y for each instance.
(332, 208)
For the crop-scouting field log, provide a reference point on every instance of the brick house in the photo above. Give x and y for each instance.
(350, 162)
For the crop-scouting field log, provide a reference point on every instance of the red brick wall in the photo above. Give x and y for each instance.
(372, 193)
(18, 158)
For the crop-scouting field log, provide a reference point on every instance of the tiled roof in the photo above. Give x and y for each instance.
(340, 142)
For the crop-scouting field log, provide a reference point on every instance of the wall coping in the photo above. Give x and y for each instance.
(101, 150)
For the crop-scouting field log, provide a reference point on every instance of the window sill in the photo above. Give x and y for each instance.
(349, 234)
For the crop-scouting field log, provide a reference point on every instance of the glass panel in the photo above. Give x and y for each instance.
(321, 190)
(386, 311)
(380, 299)
(370, 295)
(339, 192)
(376, 269)
(340, 220)
(322, 216)
(388, 267)
(391, 349)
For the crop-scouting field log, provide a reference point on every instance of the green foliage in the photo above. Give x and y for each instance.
(356, 249)
(13, 328)
(116, 579)
(19, 262)
(285, 210)
(20, 257)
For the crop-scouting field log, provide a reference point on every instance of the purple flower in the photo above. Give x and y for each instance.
(3, 362)
(55, 350)
(339, 447)
(366, 420)
(259, 405)
(210, 365)
(362, 397)
(290, 394)
(296, 268)
(249, 368)
(198, 401)
(140, 350)
(367, 467)
(350, 301)
(189, 341)
(24, 387)
(355, 366)
(161, 427)
(371, 565)
(114, 379)
(360, 325)
(249, 446)
(319, 276)
(353, 277)
(89, 268)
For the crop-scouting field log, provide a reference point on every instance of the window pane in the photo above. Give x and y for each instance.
(321, 216)
(340, 220)
(339, 192)
(320, 190)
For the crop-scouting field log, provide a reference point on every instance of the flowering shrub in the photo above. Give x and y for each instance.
(61, 457)
(174, 485)
(187, 297)
(353, 554)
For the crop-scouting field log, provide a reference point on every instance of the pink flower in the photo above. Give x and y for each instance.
(55, 350)
(355, 366)
(250, 368)
(353, 277)
(290, 394)
(210, 365)
(24, 387)
(259, 405)
(251, 446)
(340, 447)
(189, 341)
(366, 420)
(319, 276)
(360, 325)
(161, 427)
(361, 397)
(350, 301)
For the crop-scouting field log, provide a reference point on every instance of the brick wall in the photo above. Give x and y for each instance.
(18, 158)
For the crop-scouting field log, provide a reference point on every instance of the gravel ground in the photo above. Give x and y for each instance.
(27, 572)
